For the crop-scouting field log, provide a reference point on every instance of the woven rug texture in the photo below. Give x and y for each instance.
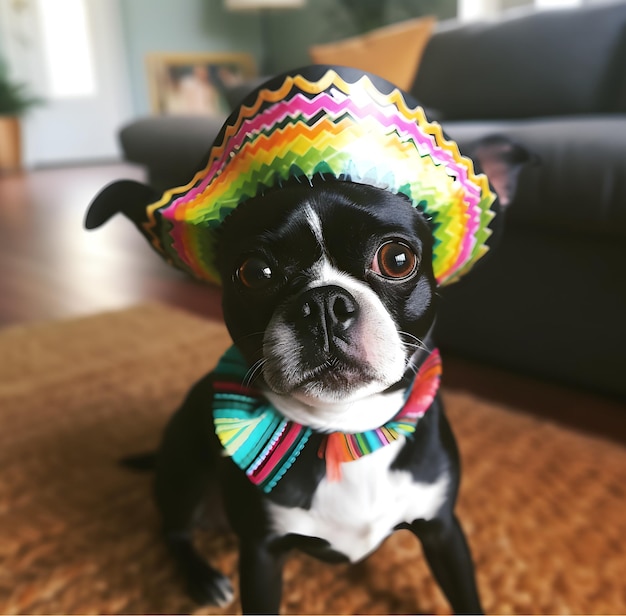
(543, 507)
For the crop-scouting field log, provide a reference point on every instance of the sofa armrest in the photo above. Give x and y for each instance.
(170, 147)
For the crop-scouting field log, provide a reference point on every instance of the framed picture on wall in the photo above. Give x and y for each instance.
(195, 83)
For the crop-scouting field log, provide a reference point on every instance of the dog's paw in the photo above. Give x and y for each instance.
(207, 586)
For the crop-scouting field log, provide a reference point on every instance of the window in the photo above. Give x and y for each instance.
(66, 40)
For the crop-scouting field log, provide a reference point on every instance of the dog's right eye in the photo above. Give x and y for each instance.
(255, 273)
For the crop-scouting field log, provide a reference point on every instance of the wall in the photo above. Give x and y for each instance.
(181, 25)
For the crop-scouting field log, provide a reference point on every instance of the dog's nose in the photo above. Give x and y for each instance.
(327, 311)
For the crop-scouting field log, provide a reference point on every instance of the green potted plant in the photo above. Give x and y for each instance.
(15, 101)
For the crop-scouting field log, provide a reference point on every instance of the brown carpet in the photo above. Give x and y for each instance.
(543, 507)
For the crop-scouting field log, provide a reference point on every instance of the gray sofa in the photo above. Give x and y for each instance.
(551, 300)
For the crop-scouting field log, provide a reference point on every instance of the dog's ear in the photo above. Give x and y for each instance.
(501, 160)
(126, 196)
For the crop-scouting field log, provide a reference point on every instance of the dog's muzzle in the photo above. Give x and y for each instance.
(332, 342)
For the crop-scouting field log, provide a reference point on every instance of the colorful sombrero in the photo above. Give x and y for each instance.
(338, 122)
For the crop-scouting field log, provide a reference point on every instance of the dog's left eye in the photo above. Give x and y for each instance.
(255, 273)
(394, 260)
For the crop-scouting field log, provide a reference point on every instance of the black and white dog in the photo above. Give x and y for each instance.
(330, 298)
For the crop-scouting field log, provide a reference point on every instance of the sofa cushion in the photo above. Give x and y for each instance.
(578, 184)
(527, 64)
(392, 52)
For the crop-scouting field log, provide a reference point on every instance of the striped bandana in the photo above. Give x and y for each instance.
(265, 444)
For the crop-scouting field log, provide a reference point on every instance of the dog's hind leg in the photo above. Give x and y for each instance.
(450, 560)
(185, 472)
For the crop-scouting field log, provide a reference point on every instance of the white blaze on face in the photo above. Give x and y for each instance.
(380, 342)
(375, 342)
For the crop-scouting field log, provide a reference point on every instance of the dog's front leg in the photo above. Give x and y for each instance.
(450, 560)
(260, 577)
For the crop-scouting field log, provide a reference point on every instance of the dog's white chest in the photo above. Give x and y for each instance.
(356, 513)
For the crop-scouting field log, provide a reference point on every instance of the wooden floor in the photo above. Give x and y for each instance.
(51, 268)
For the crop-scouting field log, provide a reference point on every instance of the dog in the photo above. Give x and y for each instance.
(323, 423)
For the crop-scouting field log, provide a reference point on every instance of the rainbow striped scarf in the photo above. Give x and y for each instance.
(265, 444)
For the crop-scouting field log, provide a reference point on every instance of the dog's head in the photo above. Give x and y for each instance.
(328, 287)
(330, 209)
